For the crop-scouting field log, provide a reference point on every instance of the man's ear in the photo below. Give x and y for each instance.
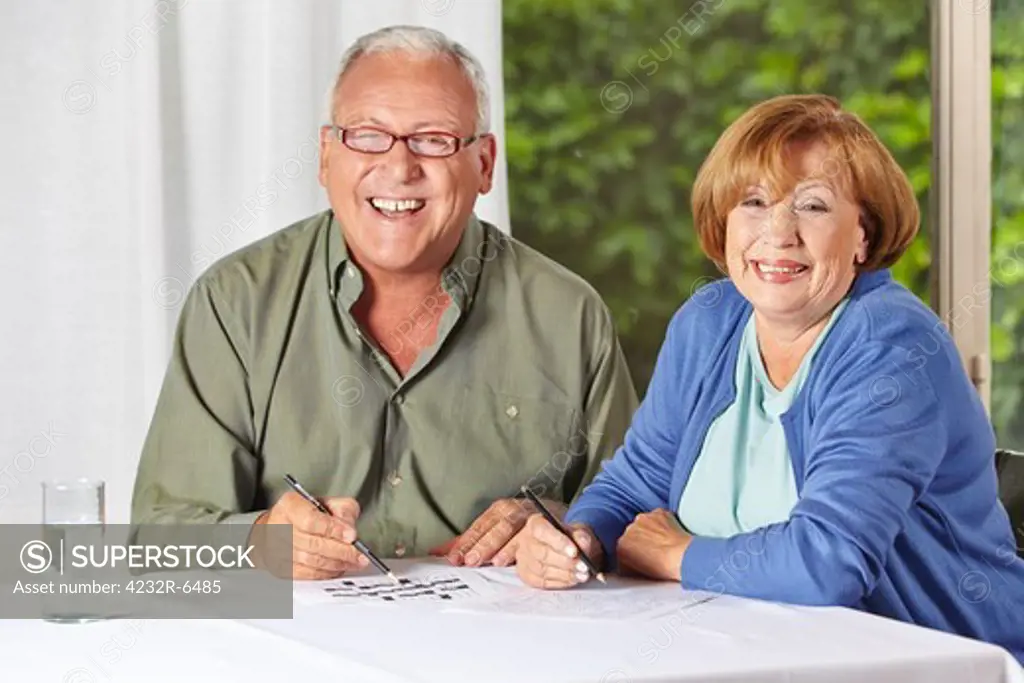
(326, 134)
(487, 157)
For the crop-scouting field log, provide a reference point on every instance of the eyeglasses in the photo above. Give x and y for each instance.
(429, 143)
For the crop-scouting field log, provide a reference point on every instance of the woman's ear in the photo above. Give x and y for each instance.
(860, 256)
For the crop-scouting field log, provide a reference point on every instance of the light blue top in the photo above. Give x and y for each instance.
(743, 478)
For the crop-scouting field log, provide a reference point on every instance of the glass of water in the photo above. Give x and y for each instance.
(76, 501)
(74, 513)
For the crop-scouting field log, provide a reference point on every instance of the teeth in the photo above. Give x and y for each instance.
(765, 268)
(397, 204)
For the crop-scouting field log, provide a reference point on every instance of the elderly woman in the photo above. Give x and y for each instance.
(809, 434)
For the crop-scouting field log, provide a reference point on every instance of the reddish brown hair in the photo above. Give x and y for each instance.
(752, 151)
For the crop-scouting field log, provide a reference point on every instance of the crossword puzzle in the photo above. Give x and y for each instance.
(441, 588)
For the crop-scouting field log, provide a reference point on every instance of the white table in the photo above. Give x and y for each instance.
(728, 640)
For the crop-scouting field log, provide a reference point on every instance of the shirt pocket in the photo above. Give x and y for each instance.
(502, 441)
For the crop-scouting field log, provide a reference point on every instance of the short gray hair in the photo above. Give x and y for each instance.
(418, 40)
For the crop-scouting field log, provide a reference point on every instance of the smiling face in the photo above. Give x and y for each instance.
(795, 198)
(402, 213)
(795, 258)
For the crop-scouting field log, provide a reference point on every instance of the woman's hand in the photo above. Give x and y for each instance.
(653, 546)
(545, 558)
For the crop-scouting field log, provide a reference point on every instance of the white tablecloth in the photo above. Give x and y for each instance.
(729, 639)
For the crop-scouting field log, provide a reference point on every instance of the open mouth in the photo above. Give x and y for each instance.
(396, 208)
(777, 271)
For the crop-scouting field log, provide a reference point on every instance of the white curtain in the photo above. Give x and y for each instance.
(142, 140)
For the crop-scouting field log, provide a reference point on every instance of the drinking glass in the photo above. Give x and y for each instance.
(75, 501)
(74, 513)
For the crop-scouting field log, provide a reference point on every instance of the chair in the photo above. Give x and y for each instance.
(1010, 468)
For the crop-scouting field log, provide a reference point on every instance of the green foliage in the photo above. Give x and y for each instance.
(612, 106)
(1007, 270)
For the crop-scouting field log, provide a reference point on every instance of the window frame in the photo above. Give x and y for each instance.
(961, 194)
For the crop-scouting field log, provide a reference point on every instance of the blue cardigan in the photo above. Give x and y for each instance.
(893, 456)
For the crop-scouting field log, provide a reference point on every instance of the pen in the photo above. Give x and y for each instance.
(558, 525)
(359, 545)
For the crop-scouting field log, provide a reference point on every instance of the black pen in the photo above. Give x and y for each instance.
(558, 525)
(359, 545)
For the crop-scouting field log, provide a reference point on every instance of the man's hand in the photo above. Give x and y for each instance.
(321, 544)
(493, 537)
(653, 546)
(547, 559)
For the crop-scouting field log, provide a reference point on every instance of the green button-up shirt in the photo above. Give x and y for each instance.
(271, 374)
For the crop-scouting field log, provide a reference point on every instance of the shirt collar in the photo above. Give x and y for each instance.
(459, 278)
(868, 280)
(337, 252)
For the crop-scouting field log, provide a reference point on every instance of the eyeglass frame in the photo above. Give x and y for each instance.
(460, 143)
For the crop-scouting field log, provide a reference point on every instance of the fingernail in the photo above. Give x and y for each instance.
(581, 568)
(582, 577)
(570, 551)
(499, 561)
(455, 559)
(473, 559)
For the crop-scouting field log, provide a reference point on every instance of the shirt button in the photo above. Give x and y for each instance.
(399, 550)
(512, 411)
(397, 399)
(395, 479)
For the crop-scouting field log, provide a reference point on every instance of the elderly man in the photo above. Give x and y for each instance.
(408, 363)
